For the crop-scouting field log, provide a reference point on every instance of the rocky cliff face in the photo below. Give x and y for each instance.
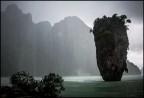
(24, 43)
(111, 46)
(142, 70)
(65, 48)
(132, 69)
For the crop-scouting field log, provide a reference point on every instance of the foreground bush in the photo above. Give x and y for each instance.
(24, 82)
(51, 85)
(25, 85)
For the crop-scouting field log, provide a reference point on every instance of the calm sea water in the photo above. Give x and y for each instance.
(5, 80)
(94, 86)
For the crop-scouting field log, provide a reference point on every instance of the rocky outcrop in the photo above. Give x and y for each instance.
(142, 70)
(132, 69)
(111, 46)
(41, 48)
(65, 48)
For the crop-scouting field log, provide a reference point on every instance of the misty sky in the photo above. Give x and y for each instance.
(88, 11)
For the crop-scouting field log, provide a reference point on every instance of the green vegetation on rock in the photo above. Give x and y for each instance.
(111, 42)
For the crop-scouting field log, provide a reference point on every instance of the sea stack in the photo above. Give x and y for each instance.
(111, 40)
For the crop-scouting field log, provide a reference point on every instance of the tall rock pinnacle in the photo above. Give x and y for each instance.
(111, 46)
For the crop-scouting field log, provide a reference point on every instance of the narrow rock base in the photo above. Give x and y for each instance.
(112, 77)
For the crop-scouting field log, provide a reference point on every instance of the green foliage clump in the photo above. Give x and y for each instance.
(51, 85)
(111, 23)
(109, 32)
(24, 82)
(25, 85)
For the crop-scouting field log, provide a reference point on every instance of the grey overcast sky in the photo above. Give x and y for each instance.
(88, 11)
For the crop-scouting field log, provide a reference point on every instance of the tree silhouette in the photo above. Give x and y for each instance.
(25, 85)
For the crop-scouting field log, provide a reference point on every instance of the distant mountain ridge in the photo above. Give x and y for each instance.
(66, 48)
(132, 69)
(142, 70)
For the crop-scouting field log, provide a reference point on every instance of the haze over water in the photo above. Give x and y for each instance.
(31, 43)
(94, 86)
